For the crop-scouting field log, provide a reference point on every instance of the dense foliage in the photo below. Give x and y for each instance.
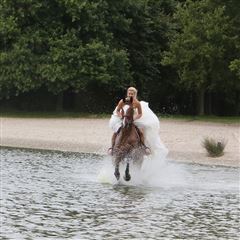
(183, 56)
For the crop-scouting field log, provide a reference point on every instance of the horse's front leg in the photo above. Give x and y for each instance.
(117, 173)
(127, 176)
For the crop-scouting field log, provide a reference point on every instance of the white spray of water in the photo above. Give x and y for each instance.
(156, 171)
(164, 173)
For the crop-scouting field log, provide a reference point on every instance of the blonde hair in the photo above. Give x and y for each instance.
(133, 89)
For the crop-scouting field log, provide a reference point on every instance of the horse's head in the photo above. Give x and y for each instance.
(128, 112)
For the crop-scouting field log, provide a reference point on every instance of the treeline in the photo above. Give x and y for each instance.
(183, 56)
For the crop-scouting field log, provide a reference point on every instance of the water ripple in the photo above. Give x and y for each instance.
(52, 195)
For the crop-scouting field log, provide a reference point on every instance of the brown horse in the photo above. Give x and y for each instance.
(128, 144)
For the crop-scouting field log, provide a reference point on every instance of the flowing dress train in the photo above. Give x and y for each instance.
(150, 125)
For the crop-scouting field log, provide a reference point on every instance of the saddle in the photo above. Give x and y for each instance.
(139, 135)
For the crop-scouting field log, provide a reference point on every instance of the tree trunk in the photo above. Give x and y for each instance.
(210, 103)
(237, 109)
(59, 103)
(200, 102)
(77, 102)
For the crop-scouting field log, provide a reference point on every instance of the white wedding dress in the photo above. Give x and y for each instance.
(149, 123)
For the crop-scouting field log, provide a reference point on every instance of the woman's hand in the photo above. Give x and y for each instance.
(119, 114)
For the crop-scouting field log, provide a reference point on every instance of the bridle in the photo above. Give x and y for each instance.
(129, 117)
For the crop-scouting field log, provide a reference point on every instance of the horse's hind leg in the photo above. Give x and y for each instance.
(127, 176)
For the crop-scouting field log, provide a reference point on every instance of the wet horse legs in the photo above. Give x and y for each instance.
(127, 176)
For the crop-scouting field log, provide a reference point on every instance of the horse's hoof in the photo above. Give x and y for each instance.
(127, 177)
(117, 175)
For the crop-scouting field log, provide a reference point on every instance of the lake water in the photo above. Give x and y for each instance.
(53, 195)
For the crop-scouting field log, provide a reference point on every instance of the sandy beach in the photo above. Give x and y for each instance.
(183, 138)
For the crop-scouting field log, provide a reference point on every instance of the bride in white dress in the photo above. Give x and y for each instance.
(144, 119)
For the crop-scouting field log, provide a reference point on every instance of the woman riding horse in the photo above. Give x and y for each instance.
(128, 142)
(146, 121)
(116, 119)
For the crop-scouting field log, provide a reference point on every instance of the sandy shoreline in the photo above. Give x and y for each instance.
(182, 138)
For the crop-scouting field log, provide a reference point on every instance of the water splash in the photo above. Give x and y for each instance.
(156, 171)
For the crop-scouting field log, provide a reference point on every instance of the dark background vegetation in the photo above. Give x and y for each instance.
(81, 55)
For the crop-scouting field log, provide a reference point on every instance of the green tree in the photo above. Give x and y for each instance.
(235, 67)
(70, 49)
(199, 48)
(25, 28)
(85, 53)
(145, 40)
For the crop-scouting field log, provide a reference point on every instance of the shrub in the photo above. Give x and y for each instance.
(213, 147)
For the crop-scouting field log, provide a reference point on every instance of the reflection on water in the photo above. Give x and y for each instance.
(50, 195)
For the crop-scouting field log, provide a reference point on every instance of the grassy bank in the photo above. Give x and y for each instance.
(21, 114)
(216, 119)
(205, 118)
